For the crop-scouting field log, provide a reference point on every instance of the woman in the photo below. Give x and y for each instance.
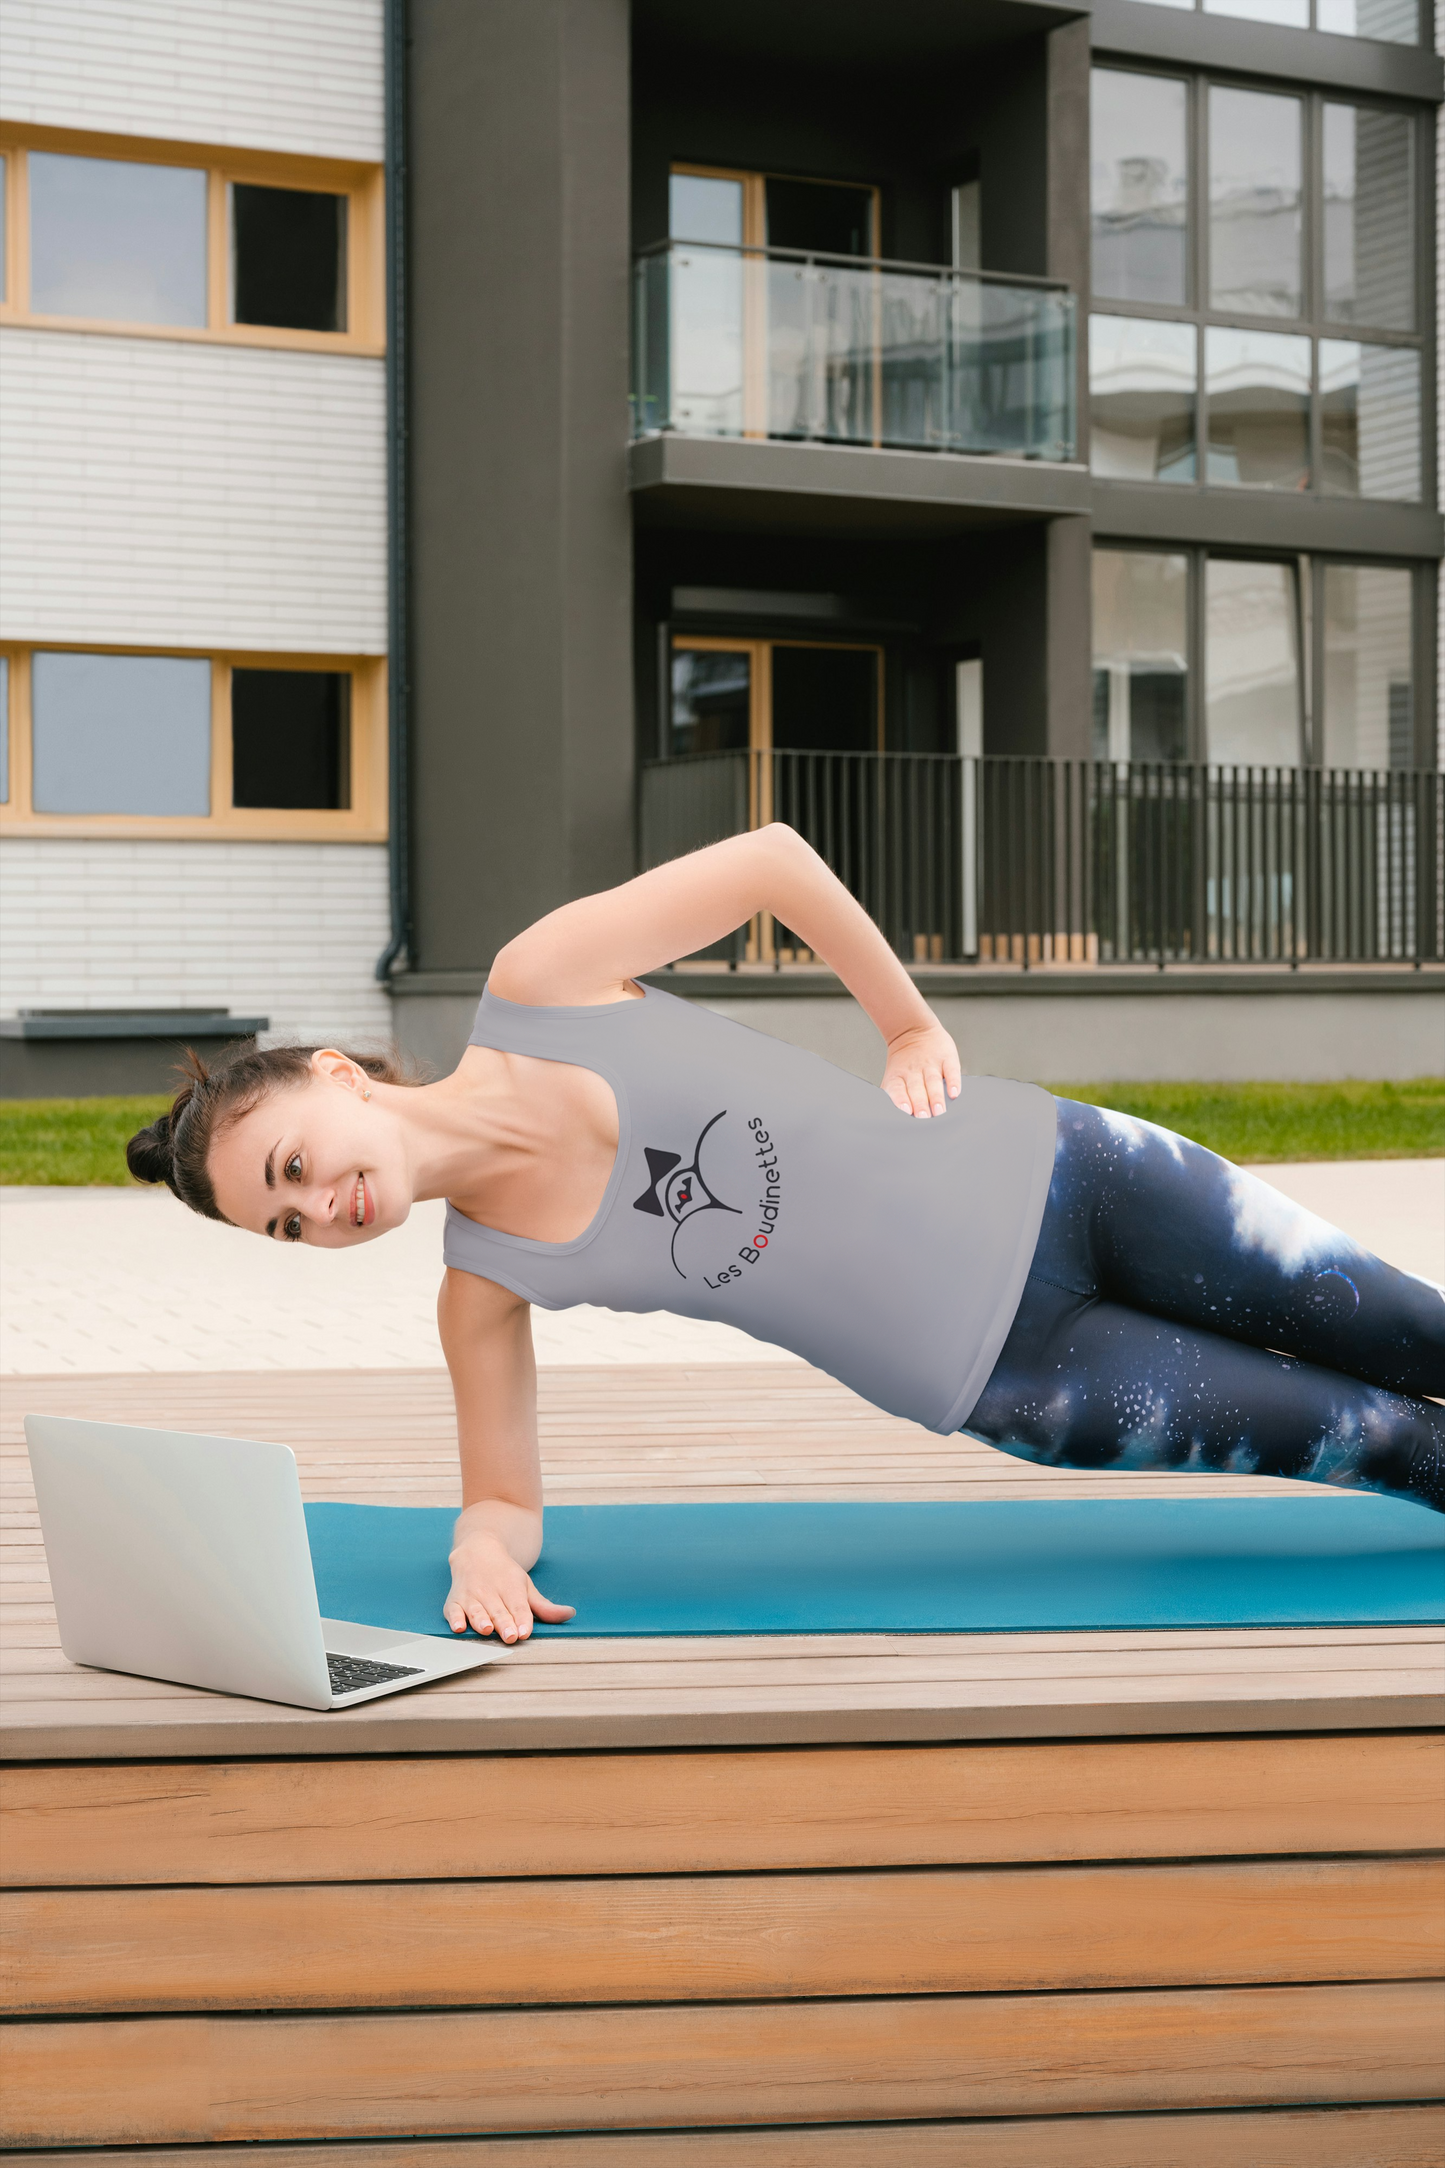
(1076, 1287)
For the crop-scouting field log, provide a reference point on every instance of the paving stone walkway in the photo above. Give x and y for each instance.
(96, 1280)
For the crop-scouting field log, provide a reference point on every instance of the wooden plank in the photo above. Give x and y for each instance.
(929, 1931)
(191, 2079)
(782, 1808)
(1391, 2137)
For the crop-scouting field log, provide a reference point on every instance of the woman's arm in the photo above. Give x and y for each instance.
(486, 1335)
(587, 951)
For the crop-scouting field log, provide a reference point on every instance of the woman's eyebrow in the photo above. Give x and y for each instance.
(271, 1167)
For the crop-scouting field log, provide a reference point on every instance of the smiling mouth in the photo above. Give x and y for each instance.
(358, 1203)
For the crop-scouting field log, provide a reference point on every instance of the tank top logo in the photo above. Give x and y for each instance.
(678, 1193)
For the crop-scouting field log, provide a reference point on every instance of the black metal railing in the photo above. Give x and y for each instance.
(1035, 861)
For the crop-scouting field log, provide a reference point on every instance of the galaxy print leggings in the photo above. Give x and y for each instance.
(1180, 1313)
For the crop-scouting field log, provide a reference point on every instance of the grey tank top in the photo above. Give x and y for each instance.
(759, 1185)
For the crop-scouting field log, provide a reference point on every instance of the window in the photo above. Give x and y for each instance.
(1369, 706)
(1252, 711)
(255, 250)
(288, 257)
(802, 696)
(1394, 22)
(1272, 321)
(1142, 399)
(193, 744)
(1253, 661)
(112, 238)
(1141, 650)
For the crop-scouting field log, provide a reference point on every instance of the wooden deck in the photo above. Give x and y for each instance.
(1105, 1898)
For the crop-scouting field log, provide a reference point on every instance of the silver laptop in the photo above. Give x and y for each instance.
(186, 1558)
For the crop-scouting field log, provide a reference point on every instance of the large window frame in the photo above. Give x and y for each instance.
(1314, 323)
(361, 185)
(363, 821)
(1310, 569)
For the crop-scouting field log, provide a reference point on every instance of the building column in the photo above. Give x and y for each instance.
(518, 283)
(1069, 603)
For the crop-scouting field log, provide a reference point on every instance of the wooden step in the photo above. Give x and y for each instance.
(187, 2080)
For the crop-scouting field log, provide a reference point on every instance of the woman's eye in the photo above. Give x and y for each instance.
(292, 1168)
(291, 1227)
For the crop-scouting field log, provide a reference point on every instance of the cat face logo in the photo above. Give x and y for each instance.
(679, 1193)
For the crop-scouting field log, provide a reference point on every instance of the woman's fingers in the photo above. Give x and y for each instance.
(544, 1608)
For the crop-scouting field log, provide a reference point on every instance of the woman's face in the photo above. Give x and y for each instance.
(316, 1162)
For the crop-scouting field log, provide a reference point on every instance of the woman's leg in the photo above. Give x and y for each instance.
(1149, 1220)
(1084, 1382)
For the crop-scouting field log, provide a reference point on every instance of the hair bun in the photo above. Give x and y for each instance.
(148, 1154)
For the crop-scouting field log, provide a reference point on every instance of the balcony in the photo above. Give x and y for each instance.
(764, 370)
(1034, 861)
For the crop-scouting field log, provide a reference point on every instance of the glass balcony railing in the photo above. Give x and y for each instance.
(741, 342)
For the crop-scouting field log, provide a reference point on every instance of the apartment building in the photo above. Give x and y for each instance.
(193, 529)
(999, 436)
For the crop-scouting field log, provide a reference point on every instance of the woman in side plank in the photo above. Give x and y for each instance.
(1074, 1286)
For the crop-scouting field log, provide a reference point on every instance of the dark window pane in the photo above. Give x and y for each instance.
(825, 699)
(820, 215)
(109, 238)
(288, 258)
(1369, 227)
(1254, 202)
(1138, 190)
(711, 700)
(291, 739)
(121, 734)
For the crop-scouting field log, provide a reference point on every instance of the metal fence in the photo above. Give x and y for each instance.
(1036, 861)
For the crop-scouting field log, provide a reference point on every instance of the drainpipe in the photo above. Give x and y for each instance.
(397, 510)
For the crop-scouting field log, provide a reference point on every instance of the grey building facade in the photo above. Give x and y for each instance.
(975, 382)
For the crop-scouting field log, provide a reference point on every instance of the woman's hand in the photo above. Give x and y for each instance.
(492, 1593)
(922, 1065)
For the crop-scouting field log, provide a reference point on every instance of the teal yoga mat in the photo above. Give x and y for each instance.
(1042, 1565)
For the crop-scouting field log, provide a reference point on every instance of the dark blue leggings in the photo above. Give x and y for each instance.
(1180, 1313)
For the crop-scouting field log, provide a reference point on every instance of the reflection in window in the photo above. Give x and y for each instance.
(1368, 217)
(1369, 708)
(1292, 14)
(1258, 388)
(1370, 415)
(1142, 384)
(291, 739)
(707, 305)
(121, 734)
(288, 258)
(1254, 202)
(112, 239)
(711, 700)
(1395, 22)
(1138, 192)
(1251, 664)
(1141, 670)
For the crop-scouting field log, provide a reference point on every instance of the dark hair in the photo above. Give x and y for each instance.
(176, 1146)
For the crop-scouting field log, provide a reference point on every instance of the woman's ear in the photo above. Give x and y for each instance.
(339, 1069)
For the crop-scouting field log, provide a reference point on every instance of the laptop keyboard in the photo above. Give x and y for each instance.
(350, 1673)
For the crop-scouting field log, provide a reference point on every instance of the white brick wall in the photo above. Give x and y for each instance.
(155, 492)
(285, 930)
(285, 75)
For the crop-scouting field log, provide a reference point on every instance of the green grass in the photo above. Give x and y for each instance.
(71, 1141)
(1259, 1122)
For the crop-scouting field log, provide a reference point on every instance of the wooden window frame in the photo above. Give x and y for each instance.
(363, 821)
(363, 186)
